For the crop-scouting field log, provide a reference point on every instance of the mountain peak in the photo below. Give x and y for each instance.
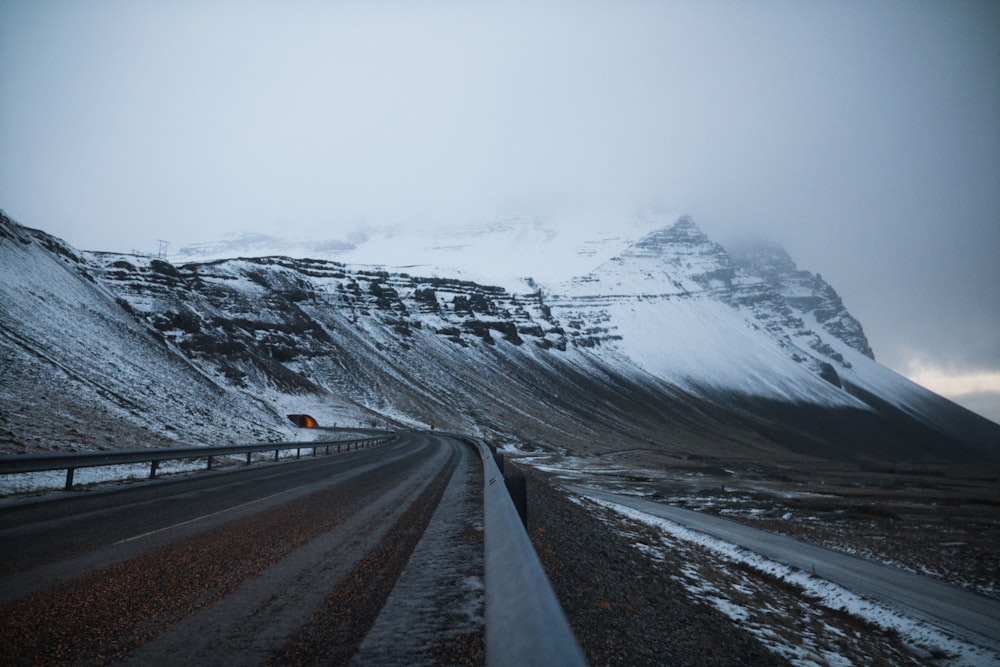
(685, 226)
(675, 255)
(683, 232)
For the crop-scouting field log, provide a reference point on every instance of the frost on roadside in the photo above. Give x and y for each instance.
(806, 619)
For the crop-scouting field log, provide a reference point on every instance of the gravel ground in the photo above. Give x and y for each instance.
(622, 608)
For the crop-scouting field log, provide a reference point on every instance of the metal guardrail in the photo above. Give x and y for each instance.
(525, 625)
(71, 461)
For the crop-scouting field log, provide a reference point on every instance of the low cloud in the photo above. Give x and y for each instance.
(977, 390)
(952, 383)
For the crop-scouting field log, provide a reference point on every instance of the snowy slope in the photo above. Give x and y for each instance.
(80, 371)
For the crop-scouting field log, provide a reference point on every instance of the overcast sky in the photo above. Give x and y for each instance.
(862, 135)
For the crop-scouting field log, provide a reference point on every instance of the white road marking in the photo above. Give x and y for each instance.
(206, 516)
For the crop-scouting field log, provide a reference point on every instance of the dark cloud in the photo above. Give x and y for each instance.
(863, 136)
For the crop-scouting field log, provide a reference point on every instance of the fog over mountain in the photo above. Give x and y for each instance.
(861, 137)
(558, 244)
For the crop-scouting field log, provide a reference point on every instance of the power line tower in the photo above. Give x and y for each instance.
(162, 253)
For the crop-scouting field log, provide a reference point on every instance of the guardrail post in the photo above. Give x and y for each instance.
(517, 487)
(209, 463)
(276, 456)
(248, 458)
(298, 452)
(314, 451)
(152, 469)
(69, 478)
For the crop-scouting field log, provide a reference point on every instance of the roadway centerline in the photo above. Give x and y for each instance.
(210, 514)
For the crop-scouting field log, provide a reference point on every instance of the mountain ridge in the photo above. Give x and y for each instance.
(568, 366)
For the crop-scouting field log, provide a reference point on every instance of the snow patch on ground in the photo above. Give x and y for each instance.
(924, 639)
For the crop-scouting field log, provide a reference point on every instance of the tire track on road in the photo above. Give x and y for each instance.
(335, 632)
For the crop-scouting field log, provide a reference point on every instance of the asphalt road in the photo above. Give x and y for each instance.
(973, 616)
(253, 565)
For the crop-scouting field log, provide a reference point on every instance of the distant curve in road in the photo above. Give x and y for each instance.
(973, 616)
(319, 560)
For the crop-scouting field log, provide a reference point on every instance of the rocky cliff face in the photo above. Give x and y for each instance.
(273, 319)
(806, 294)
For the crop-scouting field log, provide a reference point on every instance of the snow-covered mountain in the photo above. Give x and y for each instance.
(668, 344)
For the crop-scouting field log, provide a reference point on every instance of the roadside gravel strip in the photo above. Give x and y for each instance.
(236, 593)
(622, 608)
